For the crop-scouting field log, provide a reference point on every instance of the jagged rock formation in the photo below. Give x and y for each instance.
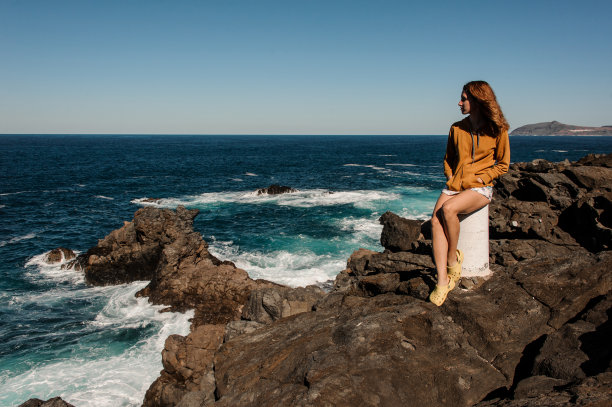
(536, 332)
(555, 128)
(160, 245)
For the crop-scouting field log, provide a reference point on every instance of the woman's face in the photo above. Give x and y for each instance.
(464, 103)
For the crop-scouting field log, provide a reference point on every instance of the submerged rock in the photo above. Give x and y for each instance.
(59, 255)
(275, 189)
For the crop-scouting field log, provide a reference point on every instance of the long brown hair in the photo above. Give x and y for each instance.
(483, 95)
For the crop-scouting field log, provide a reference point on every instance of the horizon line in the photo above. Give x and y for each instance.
(285, 134)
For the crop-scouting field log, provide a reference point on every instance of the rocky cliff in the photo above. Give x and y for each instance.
(536, 332)
(555, 128)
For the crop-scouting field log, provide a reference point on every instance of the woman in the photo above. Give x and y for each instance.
(477, 152)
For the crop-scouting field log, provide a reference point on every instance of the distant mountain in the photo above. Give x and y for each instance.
(555, 128)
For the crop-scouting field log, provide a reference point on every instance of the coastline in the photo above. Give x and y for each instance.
(381, 294)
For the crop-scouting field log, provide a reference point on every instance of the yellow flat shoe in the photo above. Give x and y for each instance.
(438, 295)
(454, 271)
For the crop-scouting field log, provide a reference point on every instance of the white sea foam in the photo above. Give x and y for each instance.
(411, 213)
(2, 206)
(14, 193)
(301, 199)
(104, 197)
(295, 269)
(374, 167)
(362, 228)
(236, 179)
(37, 267)
(560, 151)
(401, 165)
(18, 239)
(115, 380)
(250, 174)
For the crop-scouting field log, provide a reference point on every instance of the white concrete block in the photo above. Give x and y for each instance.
(474, 243)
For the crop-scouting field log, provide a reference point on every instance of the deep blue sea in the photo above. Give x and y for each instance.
(101, 346)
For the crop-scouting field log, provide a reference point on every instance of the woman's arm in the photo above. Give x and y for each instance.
(502, 159)
(449, 157)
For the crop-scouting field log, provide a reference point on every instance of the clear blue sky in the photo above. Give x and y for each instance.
(297, 67)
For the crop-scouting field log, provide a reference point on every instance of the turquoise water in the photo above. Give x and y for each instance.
(101, 346)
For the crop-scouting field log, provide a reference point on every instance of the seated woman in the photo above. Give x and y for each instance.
(477, 152)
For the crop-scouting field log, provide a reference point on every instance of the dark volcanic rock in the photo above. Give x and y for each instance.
(563, 203)
(59, 255)
(600, 160)
(188, 368)
(513, 218)
(269, 304)
(589, 221)
(54, 402)
(275, 189)
(508, 252)
(593, 391)
(565, 284)
(386, 350)
(160, 245)
(591, 177)
(397, 350)
(534, 386)
(217, 293)
(399, 234)
(370, 273)
(579, 348)
(560, 356)
(499, 319)
(133, 252)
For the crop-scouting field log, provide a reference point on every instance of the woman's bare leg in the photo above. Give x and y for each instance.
(464, 202)
(439, 240)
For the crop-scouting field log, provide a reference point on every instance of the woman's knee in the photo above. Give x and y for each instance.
(437, 219)
(448, 211)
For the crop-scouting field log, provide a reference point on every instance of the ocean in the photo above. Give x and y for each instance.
(100, 346)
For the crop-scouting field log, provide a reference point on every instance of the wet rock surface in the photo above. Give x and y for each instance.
(535, 333)
(59, 255)
(275, 189)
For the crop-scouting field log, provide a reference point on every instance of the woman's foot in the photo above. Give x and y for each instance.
(438, 295)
